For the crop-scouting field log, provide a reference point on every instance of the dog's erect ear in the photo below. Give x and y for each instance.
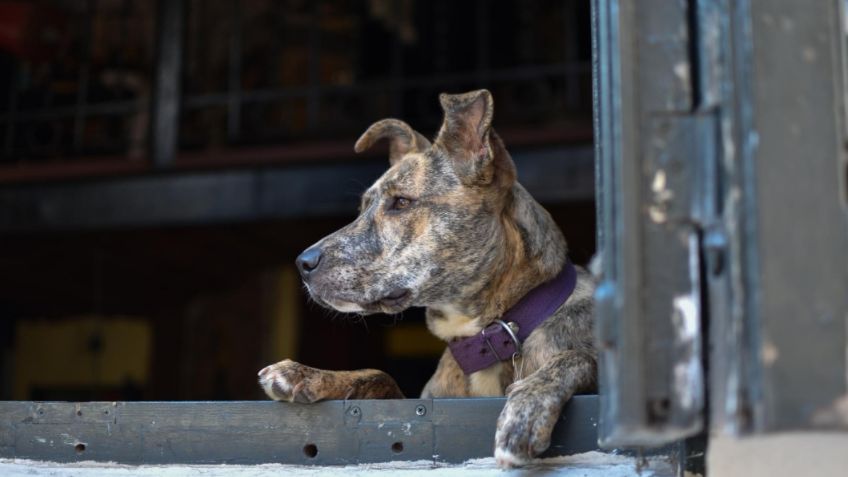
(402, 138)
(468, 117)
(467, 135)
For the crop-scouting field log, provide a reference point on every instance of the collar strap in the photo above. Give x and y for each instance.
(502, 339)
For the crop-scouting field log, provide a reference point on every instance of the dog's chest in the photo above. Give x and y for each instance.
(447, 323)
(487, 382)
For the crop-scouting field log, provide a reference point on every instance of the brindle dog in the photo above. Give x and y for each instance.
(447, 227)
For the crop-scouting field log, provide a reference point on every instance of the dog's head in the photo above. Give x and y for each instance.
(429, 227)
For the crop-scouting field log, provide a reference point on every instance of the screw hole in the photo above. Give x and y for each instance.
(79, 413)
(658, 409)
(397, 447)
(80, 448)
(310, 450)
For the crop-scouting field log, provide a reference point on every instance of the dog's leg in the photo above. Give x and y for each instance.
(294, 382)
(534, 403)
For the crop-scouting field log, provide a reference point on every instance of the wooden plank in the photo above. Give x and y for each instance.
(556, 175)
(255, 432)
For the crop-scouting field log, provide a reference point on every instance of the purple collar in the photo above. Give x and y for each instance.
(502, 339)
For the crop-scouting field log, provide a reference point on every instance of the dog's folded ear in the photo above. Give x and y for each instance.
(402, 138)
(467, 136)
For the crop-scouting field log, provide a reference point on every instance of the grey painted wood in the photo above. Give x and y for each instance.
(254, 432)
(652, 144)
(794, 190)
(722, 176)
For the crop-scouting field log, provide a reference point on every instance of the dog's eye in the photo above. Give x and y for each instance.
(400, 203)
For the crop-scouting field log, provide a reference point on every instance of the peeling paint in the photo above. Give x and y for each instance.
(657, 214)
(658, 184)
(687, 371)
(662, 195)
(681, 70)
(835, 414)
(686, 317)
(769, 353)
(809, 54)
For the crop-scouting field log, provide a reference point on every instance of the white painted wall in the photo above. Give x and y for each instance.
(796, 454)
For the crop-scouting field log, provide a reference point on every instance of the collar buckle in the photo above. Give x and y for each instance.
(511, 329)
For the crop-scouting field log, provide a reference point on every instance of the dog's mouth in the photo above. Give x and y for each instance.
(394, 299)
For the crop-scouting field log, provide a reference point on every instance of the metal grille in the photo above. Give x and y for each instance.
(76, 75)
(127, 79)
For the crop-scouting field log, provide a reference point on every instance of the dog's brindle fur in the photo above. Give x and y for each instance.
(448, 227)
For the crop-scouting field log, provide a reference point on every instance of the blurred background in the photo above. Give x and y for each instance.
(163, 163)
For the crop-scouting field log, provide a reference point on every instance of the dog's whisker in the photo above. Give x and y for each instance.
(364, 322)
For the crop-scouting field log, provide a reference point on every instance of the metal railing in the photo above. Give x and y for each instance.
(154, 123)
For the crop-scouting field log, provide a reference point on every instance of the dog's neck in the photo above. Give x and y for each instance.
(530, 251)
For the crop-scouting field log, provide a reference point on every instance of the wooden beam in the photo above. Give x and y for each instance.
(254, 432)
(555, 175)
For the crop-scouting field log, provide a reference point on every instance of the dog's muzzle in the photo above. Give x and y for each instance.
(312, 265)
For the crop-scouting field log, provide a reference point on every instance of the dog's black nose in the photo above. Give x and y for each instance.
(309, 260)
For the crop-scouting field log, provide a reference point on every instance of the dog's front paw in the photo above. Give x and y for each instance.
(291, 381)
(525, 425)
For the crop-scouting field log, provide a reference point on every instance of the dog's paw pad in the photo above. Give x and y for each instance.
(507, 460)
(280, 380)
(276, 386)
